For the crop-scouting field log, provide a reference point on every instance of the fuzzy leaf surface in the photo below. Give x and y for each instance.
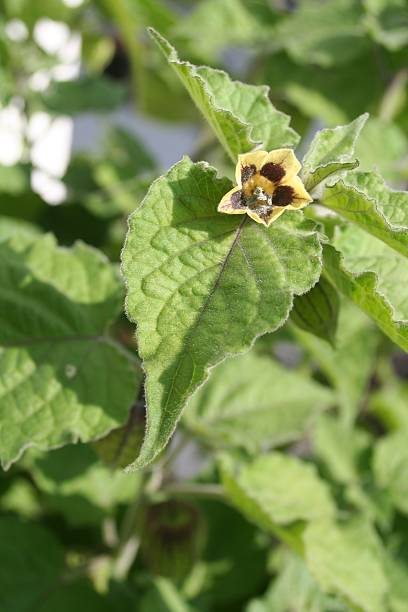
(241, 115)
(202, 286)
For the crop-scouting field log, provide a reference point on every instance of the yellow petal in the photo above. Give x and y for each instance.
(228, 206)
(286, 161)
(248, 159)
(301, 198)
(275, 213)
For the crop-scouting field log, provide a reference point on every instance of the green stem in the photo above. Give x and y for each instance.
(193, 489)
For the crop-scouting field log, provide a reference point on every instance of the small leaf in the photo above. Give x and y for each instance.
(202, 286)
(253, 402)
(345, 560)
(276, 490)
(331, 152)
(62, 378)
(317, 311)
(241, 116)
(363, 289)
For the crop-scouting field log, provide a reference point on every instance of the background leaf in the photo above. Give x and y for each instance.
(254, 402)
(355, 570)
(276, 490)
(56, 307)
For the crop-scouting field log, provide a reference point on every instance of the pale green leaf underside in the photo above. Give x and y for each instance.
(276, 490)
(331, 152)
(362, 288)
(345, 560)
(203, 285)
(393, 204)
(241, 115)
(61, 377)
(252, 401)
(363, 253)
(360, 200)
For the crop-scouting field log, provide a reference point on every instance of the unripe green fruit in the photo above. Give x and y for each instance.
(172, 537)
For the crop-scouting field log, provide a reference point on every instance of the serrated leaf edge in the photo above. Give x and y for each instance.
(264, 89)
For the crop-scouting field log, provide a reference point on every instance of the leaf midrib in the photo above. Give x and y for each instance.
(204, 307)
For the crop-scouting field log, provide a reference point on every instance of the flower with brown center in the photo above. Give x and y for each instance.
(267, 186)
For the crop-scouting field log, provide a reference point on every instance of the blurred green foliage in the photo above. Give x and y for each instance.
(296, 498)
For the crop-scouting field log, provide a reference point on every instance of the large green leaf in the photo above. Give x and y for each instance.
(345, 560)
(331, 152)
(253, 402)
(241, 115)
(202, 286)
(363, 289)
(276, 490)
(373, 207)
(62, 378)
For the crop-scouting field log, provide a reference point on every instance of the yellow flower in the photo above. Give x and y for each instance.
(267, 186)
